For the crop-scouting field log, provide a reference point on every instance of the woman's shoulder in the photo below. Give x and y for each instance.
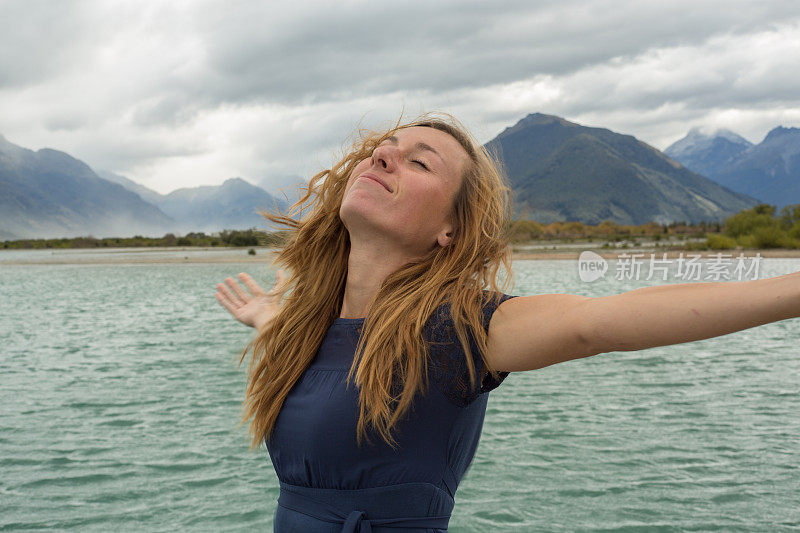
(493, 300)
(448, 358)
(441, 321)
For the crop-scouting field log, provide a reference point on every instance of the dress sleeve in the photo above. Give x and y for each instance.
(448, 364)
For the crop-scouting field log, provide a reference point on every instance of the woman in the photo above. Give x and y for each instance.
(374, 357)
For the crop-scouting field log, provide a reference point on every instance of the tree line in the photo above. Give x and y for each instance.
(757, 227)
(249, 237)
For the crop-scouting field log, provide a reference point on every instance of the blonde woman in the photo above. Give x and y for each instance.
(369, 375)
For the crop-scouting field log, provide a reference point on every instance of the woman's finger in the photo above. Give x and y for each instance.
(225, 302)
(251, 284)
(232, 298)
(237, 289)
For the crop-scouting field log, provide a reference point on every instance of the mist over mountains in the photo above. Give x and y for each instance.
(48, 193)
(209, 208)
(558, 171)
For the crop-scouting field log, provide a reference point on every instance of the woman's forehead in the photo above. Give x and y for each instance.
(426, 132)
(445, 144)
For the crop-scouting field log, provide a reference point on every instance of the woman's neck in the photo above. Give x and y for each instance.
(368, 265)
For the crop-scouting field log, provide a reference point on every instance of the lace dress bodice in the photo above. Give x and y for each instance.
(313, 443)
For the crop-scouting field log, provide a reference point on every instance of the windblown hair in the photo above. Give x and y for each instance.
(391, 356)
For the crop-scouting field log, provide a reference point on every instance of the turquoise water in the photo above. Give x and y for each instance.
(120, 394)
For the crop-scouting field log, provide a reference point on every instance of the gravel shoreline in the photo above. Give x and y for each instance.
(658, 253)
(266, 255)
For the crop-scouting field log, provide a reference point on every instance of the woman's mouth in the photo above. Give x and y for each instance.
(375, 178)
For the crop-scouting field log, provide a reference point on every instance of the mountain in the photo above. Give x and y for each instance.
(769, 170)
(232, 205)
(705, 153)
(209, 208)
(49, 194)
(146, 194)
(560, 170)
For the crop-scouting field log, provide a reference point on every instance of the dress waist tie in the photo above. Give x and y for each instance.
(320, 504)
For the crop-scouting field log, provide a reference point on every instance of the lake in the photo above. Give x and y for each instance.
(120, 394)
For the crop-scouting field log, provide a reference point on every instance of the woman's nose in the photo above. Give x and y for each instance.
(385, 156)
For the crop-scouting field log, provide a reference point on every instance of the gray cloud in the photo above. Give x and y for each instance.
(361, 49)
(179, 95)
(39, 40)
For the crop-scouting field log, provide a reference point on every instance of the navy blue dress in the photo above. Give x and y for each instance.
(329, 484)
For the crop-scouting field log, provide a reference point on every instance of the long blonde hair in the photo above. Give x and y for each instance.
(391, 351)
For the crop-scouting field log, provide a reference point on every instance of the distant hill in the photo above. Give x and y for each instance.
(769, 171)
(209, 208)
(49, 194)
(705, 153)
(145, 193)
(232, 205)
(560, 170)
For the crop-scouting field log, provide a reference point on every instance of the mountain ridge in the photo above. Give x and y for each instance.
(209, 208)
(769, 170)
(49, 193)
(558, 170)
(561, 170)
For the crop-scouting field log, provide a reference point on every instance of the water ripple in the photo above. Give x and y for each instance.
(121, 415)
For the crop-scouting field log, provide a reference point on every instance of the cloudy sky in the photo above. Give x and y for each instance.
(183, 93)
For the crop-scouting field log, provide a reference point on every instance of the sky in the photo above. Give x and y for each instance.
(177, 94)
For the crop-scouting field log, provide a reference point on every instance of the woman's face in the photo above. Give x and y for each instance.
(405, 192)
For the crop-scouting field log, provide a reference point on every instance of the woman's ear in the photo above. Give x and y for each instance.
(445, 236)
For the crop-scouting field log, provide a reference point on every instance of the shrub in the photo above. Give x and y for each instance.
(789, 216)
(794, 231)
(720, 242)
(696, 246)
(526, 230)
(770, 237)
(747, 221)
(746, 241)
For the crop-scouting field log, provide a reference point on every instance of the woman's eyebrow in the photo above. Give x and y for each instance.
(419, 146)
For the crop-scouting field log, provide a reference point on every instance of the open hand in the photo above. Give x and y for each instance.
(253, 307)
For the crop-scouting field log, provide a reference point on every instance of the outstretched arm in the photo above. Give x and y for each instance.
(536, 331)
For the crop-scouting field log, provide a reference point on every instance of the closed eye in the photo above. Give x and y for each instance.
(420, 163)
